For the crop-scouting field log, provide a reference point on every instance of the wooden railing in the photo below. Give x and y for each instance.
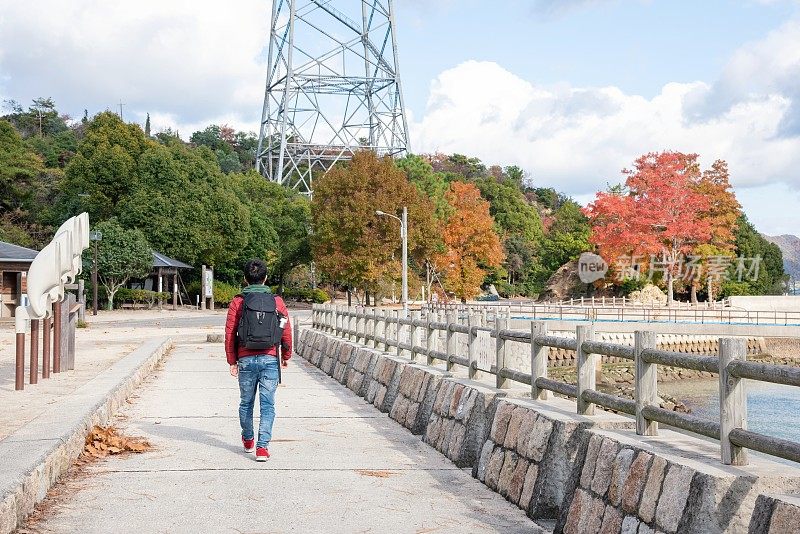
(389, 330)
(608, 310)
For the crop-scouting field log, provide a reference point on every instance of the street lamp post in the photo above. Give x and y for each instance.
(94, 236)
(404, 237)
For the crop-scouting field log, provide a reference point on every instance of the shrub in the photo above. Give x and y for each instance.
(223, 293)
(315, 296)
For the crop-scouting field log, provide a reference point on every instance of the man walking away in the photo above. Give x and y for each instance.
(256, 327)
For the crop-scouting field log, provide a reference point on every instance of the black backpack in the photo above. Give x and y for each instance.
(260, 323)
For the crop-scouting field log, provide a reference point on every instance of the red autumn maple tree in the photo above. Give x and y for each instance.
(661, 214)
(471, 243)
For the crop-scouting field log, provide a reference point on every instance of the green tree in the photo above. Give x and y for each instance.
(105, 168)
(186, 208)
(147, 126)
(284, 217)
(122, 255)
(750, 245)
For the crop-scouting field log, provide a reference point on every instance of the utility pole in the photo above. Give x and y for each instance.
(120, 109)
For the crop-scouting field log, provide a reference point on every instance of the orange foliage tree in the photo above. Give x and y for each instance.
(471, 244)
(351, 245)
(662, 213)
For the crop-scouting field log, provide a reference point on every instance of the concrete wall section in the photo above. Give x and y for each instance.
(788, 303)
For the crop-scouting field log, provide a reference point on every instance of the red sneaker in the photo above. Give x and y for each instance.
(249, 444)
(262, 454)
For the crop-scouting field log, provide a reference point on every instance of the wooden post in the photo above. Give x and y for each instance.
(452, 320)
(385, 330)
(34, 375)
(646, 382)
(175, 291)
(472, 345)
(57, 327)
(430, 340)
(732, 400)
(19, 369)
(539, 357)
(46, 326)
(500, 324)
(81, 300)
(415, 316)
(398, 333)
(586, 368)
(376, 315)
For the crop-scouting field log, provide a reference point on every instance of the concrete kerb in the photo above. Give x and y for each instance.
(41, 451)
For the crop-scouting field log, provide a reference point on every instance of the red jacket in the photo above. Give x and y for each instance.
(232, 350)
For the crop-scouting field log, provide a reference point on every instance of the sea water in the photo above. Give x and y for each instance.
(772, 409)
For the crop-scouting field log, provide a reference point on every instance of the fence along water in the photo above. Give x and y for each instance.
(388, 329)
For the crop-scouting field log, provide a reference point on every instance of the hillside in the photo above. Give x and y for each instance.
(790, 247)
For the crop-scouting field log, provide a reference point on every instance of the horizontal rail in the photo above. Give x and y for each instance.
(558, 387)
(679, 359)
(704, 427)
(782, 448)
(516, 376)
(764, 372)
(557, 342)
(610, 401)
(608, 349)
(459, 328)
(515, 335)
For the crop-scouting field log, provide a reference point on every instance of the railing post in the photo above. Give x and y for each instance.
(352, 323)
(414, 342)
(452, 320)
(539, 357)
(500, 324)
(399, 332)
(34, 367)
(646, 382)
(587, 367)
(732, 400)
(472, 345)
(430, 341)
(375, 327)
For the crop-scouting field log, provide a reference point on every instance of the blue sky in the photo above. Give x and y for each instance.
(636, 45)
(571, 90)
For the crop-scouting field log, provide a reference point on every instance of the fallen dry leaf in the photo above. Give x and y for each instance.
(103, 441)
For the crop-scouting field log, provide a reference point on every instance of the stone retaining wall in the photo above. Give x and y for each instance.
(590, 474)
(775, 514)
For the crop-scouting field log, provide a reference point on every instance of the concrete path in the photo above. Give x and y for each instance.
(338, 465)
(109, 337)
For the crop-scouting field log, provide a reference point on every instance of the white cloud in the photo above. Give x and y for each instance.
(578, 139)
(757, 72)
(192, 59)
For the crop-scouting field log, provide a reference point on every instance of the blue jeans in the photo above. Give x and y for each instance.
(258, 372)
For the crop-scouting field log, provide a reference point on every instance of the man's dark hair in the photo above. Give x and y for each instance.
(255, 271)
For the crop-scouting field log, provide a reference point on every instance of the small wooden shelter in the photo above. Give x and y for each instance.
(14, 264)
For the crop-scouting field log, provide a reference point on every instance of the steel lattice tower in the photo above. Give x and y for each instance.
(333, 87)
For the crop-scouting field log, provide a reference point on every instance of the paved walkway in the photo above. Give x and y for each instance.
(338, 465)
(109, 337)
